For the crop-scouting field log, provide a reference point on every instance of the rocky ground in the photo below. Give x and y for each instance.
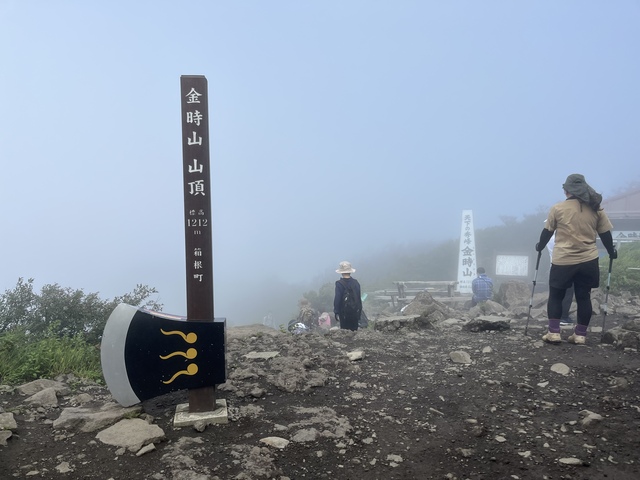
(414, 400)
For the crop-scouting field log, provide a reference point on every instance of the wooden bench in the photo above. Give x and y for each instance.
(439, 286)
(407, 290)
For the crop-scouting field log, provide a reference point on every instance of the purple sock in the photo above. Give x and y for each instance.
(554, 325)
(581, 330)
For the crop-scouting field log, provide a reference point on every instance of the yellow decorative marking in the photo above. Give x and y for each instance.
(190, 354)
(192, 369)
(189, 337)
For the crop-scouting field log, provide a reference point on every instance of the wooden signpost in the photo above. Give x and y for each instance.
(197, 215)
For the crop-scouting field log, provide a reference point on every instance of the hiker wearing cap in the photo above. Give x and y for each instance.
(576, 222)
(482, 287)
(347, 302)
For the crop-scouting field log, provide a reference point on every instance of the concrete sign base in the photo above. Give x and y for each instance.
(183, 418)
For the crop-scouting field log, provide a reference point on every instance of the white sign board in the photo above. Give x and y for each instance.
(625, 236)
(512, 265)
(466, 253)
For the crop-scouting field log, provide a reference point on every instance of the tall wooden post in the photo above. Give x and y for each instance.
(197, 215)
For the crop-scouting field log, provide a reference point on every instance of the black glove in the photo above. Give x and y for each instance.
(613, 254)
(539, 248)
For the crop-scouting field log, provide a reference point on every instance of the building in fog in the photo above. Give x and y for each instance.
(624, 212)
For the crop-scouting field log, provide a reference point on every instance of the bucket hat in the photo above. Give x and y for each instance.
(345, 267)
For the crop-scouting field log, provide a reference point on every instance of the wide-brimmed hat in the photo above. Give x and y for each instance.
(576, 185)
(345, 267)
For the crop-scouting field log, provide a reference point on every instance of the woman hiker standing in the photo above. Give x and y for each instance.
(576, 222)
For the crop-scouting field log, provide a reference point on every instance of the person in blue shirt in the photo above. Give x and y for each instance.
(482, 288)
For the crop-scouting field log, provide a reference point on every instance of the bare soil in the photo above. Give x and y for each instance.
(405, 411)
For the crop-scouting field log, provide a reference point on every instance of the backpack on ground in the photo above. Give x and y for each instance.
(350, 304)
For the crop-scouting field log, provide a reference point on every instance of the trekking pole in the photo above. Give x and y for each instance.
(533, 289)
(606, 298)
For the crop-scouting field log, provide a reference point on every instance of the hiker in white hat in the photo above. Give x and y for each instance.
(347, 303)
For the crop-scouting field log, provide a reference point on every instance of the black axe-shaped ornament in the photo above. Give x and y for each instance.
(145, 354)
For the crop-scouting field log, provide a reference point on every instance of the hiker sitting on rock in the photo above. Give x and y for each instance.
(307, 316)
(482, 287)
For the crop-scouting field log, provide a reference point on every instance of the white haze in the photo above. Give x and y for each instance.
(338, 129)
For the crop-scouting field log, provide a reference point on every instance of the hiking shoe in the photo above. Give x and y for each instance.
(552, 337)
(577, 339)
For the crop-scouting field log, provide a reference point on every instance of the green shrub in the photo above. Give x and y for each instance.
(625, 272)
(22, 359)
(56, 331)
(73, 312)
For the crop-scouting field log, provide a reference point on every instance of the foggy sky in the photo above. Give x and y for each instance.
(337, 129)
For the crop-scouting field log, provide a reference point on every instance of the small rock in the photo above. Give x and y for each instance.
(146, 449)
(465, 452)
(261, 355)
(560, 368)
(589, 418)
(46, 397)
(355, 355)
(306, 435)
(64, 467)
(460, 356)
(7, 421)
(277, 442)
(570, 461)
(200, 426)
(4, 436)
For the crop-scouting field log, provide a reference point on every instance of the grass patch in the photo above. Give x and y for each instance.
(23, 358)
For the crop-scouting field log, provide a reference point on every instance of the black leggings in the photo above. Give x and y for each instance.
(583, 299)
(583, 277)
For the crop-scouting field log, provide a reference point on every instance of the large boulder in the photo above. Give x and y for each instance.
(36, 386)
(513, 293)
(87, 419)
(402, 322)
(423, 305)
(487, 323)
(488, 307)
(625, 336)
(133, 434)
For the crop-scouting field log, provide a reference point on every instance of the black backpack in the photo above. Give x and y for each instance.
(350, 303)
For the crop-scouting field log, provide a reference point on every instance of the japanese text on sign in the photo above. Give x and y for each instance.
(466, 254)
(197, 197)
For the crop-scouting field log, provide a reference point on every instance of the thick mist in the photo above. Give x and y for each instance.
(338, 131)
